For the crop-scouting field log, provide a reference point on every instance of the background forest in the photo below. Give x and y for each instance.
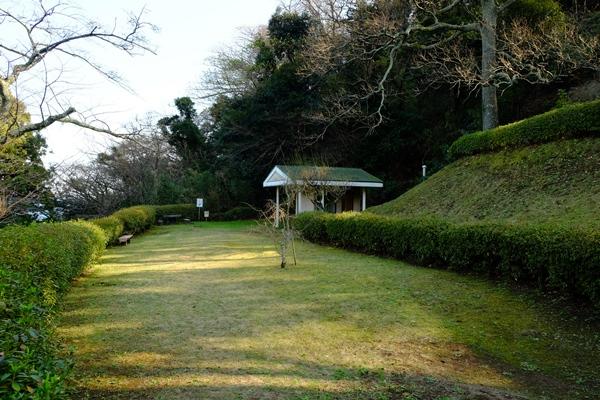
(316, 85)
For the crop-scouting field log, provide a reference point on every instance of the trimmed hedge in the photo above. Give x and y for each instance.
(185, 210)
(235, 214)
(191, 212)
(136, 219)
(568, 122)
(113, 227)
(543, 255)
(37, 264)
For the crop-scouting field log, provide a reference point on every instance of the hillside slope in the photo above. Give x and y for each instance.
(553, 182)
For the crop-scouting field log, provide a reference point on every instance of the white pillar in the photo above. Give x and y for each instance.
(364, 199)
(323, 200)
(277, 207)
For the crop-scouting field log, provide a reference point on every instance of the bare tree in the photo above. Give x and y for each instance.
(275, 221)
(36, 44)
(129, 172)
(358, 30)
(537, 53)
(232, 69)
(88, 189)
(312, 183)
(14, 201)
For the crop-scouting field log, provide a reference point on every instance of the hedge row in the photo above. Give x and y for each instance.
(136, 219)
(188, 211)
(37, 264)
(568, 122)
(112, 227)
(235, 214)
(139, 218)
(545, 256)
(126, 220)
(191, 212)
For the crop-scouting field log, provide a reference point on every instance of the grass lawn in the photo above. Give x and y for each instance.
(203, 312)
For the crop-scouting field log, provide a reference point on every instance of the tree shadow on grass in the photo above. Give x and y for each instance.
(296, 382)
(186, 315)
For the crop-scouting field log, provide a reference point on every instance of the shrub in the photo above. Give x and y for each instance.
(136, 219)
(112, 226)
(568, 122)
(37, 264)
(185, 210)
(542, 255)
(412, 239)
(235, 214)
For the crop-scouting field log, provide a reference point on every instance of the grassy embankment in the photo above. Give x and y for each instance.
(554, 182)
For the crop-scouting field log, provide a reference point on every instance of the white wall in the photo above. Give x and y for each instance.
(303, 204)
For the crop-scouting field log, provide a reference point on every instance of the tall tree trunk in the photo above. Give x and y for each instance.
(489, 99)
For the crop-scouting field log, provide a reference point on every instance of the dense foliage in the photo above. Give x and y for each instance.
(547, 256)
(236, 214)
(23, 177)
(37, 264)
(270, 106)
(279, 119)
(182, 132)
(570, 121)
(188, 211)
(136, 219)
(112, 226)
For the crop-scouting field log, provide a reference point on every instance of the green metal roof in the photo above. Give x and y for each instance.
(334, 174)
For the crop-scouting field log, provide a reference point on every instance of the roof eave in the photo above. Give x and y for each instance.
(326, 183)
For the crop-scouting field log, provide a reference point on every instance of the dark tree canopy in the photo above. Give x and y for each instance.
(287, 32)
(273, 105)
(182, 132)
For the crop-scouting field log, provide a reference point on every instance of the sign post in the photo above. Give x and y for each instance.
(206, 214)
(199, 205)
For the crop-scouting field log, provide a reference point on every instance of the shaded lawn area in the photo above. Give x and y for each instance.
(203, 312)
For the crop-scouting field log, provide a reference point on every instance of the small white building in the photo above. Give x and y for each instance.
(354, 183)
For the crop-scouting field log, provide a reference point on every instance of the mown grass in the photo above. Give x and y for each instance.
(555, 182)
(202, 312)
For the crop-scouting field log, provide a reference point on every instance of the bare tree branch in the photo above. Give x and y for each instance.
(40, 125)
(57, 29)
(94, 128)
(424, 35)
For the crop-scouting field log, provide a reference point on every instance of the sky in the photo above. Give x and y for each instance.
(190, 32)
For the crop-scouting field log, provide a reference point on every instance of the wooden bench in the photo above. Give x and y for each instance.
(125, 239)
